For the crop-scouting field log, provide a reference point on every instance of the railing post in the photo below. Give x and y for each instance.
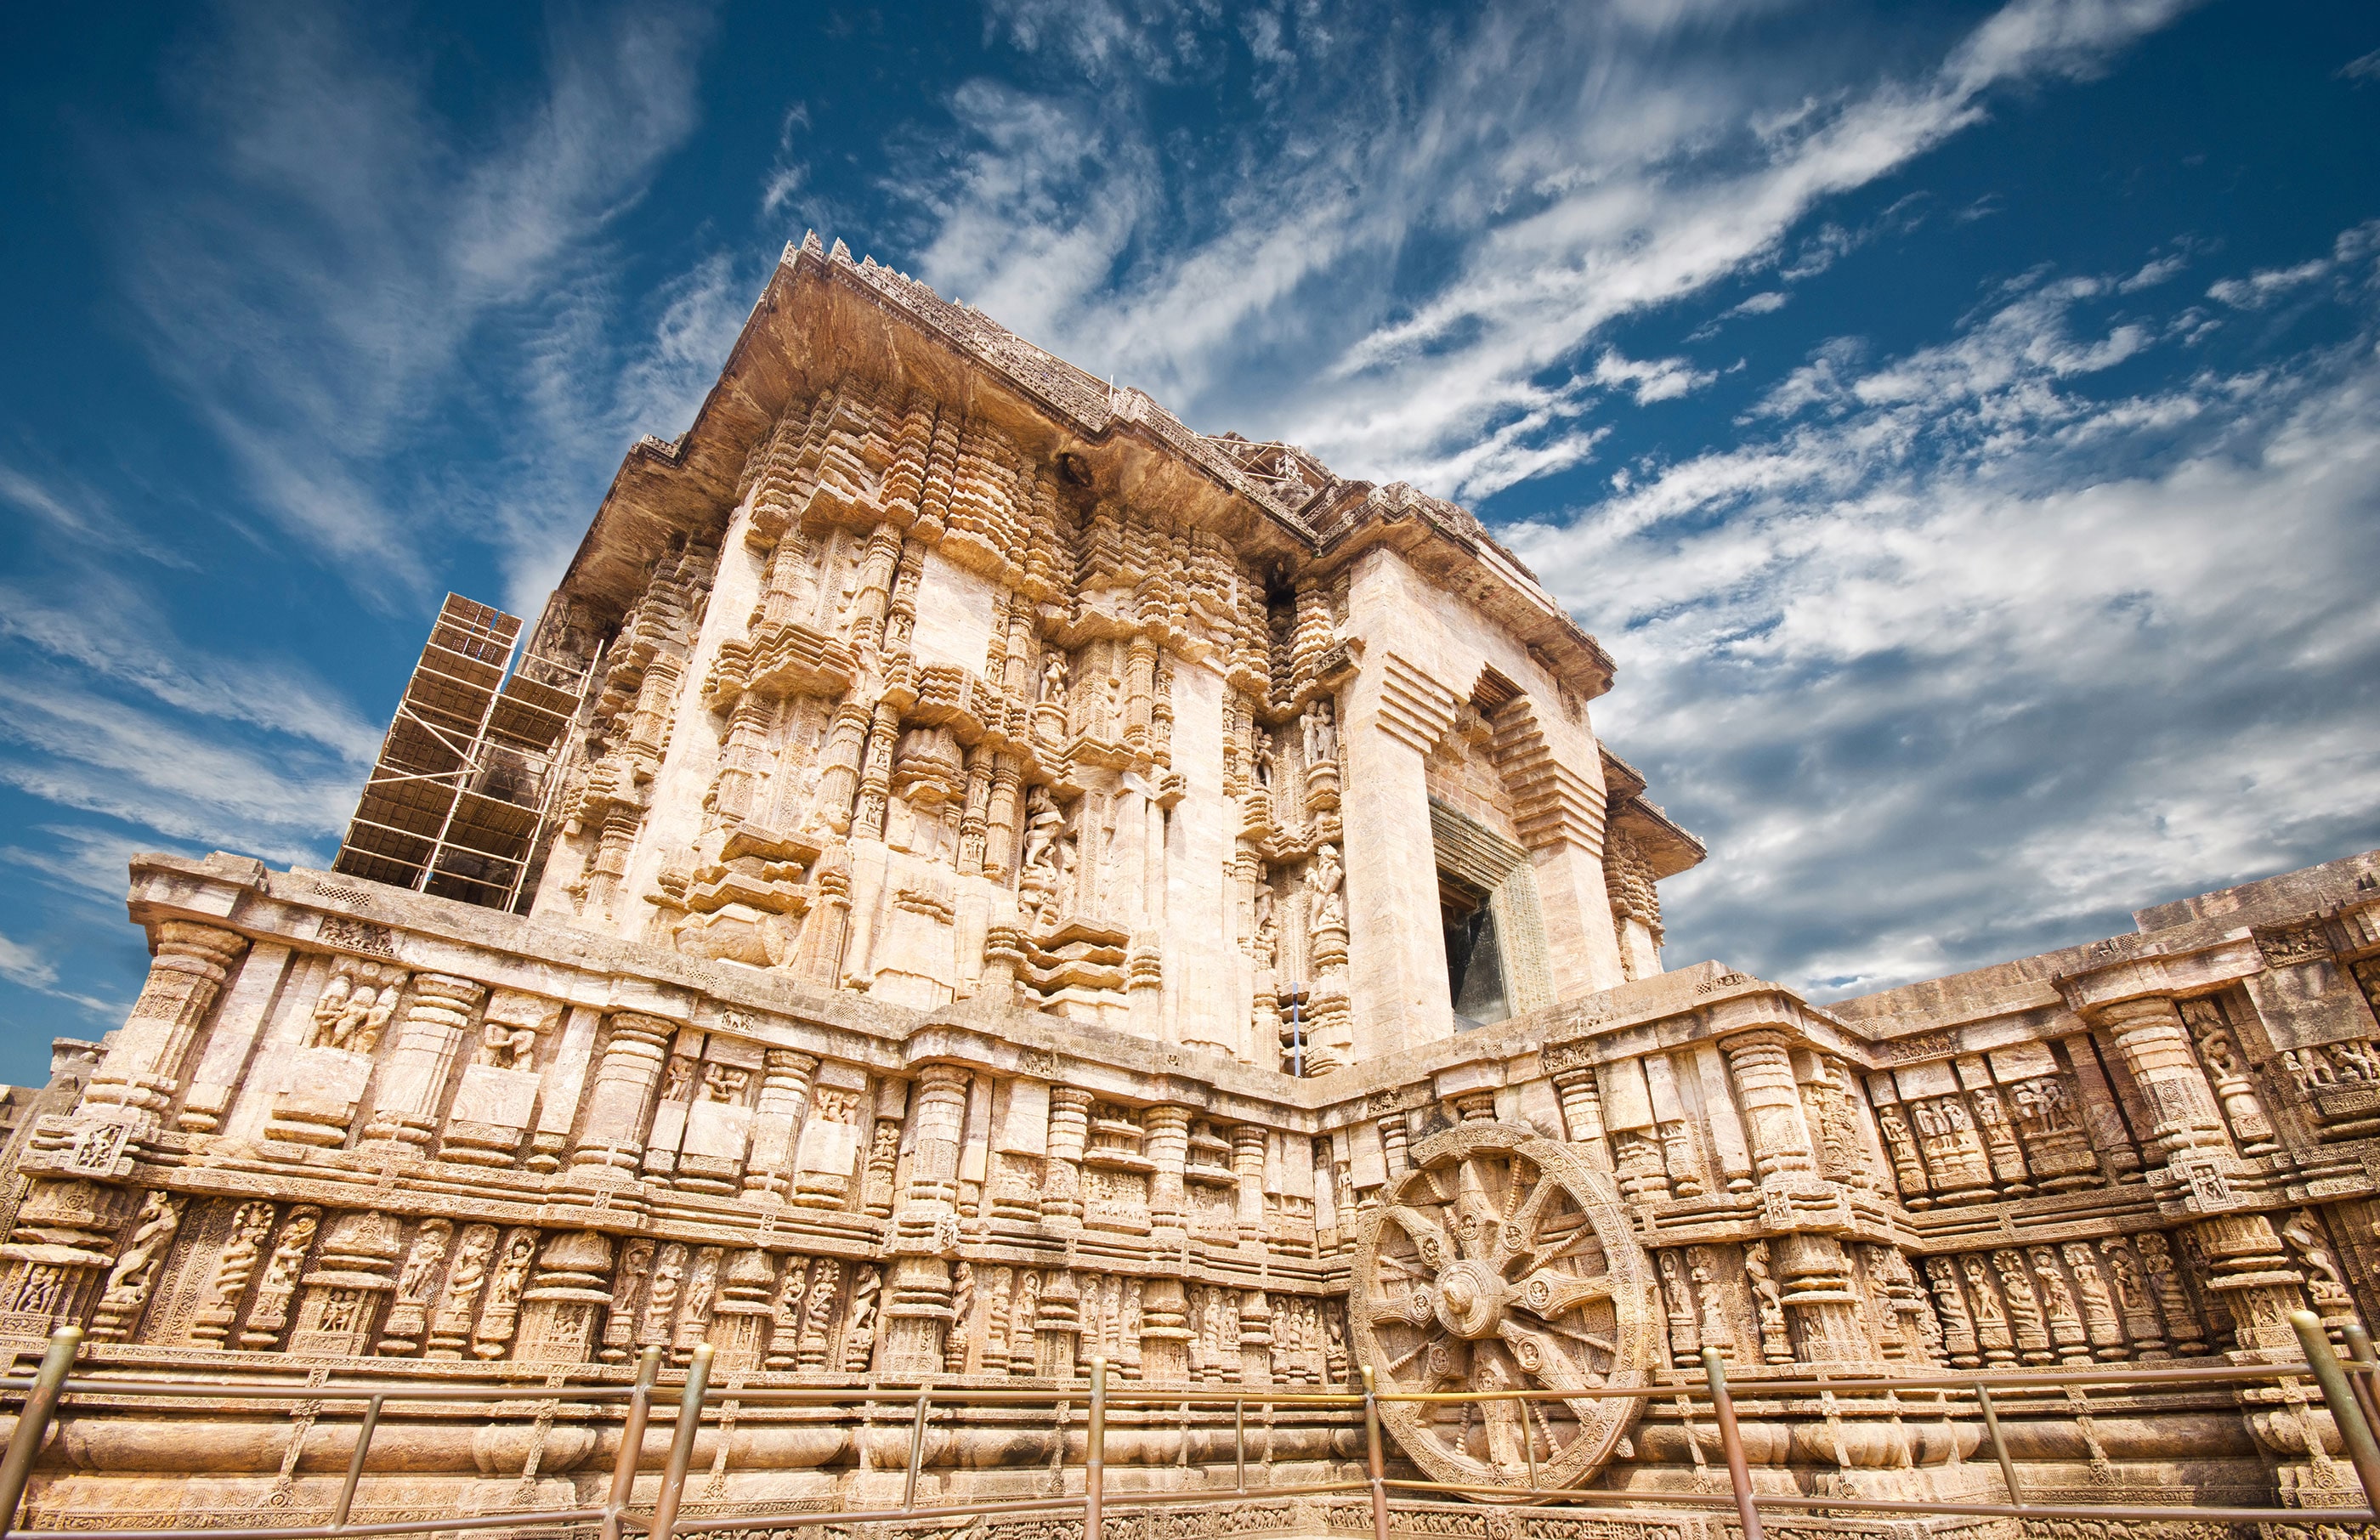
(2353, 1431)
(2358, 1347)
(1528, 1440)
(2000, 1444)
(33, 1422)
(632, 1442)
(916, 1453)
(356, 1463)
(1730, 1439)
(1094, 1451)
(1374, 1456)
(681, 1454)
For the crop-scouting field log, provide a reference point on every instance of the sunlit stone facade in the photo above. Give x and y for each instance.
(1031, 883)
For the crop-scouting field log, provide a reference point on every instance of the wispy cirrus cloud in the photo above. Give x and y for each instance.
(1552, 171)
(315, 254)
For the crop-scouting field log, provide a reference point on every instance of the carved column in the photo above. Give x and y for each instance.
(1248, 1142)
(413, 1078)
(186, 976)
(621, 1104)
(1000, 815)
(1818, 1293)
(2251, 1272)
(1164, 1333)
(1168, 1145)
(838, 775)
(2102, 1120)
(776, 1119)
(1583, 1114)
(927, 1234)
(2156, 1048)
(1061, 1184)
(1762, 1065)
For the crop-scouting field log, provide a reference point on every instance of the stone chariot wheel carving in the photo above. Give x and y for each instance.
(1503, 1260)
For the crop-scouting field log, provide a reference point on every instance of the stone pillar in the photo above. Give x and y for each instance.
(1256, 1339)
(413, 1078)
(1167, 1144)
(621, 1102)
(1819, 1295)
(2253, 1273)
(2102, 1120)
(839, 780)
(142, 1071)
(1397, 983)
(2184, 1119)
(1583, 1114)
(1164, 1333)
(1061, 1183)
(217, 1078)
(776, 1119)
(1763, 1066)
(1248, 1142)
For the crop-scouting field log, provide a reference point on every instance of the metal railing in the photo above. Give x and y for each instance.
(2349, 1389)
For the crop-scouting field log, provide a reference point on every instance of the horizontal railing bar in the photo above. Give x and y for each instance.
(185, 1388)
(332, 1531)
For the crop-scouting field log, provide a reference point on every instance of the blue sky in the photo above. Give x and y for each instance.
(1961, 422)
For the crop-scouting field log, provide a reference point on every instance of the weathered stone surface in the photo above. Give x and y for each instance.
(990, 792)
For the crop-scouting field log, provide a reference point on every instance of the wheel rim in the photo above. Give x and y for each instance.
(1503, 1260)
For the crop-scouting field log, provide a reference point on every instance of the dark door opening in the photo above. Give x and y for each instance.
(1475, 965)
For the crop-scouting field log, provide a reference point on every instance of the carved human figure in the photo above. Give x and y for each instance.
(2099, 1316)
(1324, 879)
(136, 1266)
(954, 1348)
(660, 1300)
(1053, 678)
(726, 1082)
(329, 1006)
(1321, 732)
(678, 1086)
(1042, 823)
(1958, 1329)
(2183, 1326)
(1992, 1331)
(271, 1311)
(859, 1336)
(1268, 930)
(1702, 1267)
(503, 1046)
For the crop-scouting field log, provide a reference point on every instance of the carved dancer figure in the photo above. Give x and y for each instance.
(271, 1311)
(2326, 1281)
(660, 1300)
(2183, 1326)
(1053, 678)
(2098, 1305)
(1042, 822)
(818, 1317)
(859, 1337)
(450, 1328)
(1991, 1320)
(2058, 1301)
(250, 1226)
(1957, 1329)
(408, 1315)
(954, 1350)
(135, 1267)
(503, 1312)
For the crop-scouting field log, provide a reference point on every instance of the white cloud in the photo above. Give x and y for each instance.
(1564, 168)
(314, 252)
(1651, 379)
(1965, 657)
(2260, 289)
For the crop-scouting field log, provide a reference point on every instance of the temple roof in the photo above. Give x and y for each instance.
(824, 315)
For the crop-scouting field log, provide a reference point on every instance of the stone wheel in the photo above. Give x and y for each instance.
(1504, 1261)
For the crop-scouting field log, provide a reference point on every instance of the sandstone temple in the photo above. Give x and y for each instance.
(967, 876)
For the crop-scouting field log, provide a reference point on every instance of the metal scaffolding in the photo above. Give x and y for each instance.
(469, 772)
